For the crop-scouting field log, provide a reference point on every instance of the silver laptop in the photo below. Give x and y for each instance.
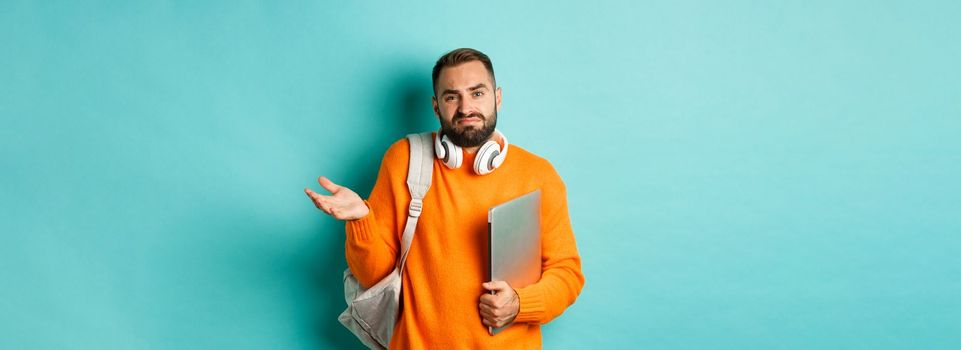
(514, 242)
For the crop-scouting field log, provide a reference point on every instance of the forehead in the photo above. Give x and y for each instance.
(463, 76)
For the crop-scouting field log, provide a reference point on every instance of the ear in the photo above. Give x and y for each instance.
(497, 99)
(433, 102)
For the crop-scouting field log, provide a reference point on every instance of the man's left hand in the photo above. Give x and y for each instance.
(500, 309)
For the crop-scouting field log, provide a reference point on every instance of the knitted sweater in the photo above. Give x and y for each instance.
(446, 264)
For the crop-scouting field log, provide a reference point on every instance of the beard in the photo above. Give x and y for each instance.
(469, 135)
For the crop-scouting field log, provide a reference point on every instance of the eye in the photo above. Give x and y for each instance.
(478, 93)
(450, 98)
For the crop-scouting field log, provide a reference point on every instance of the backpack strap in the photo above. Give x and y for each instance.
(418, 182)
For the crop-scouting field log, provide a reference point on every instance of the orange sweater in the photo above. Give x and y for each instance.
(445, 268)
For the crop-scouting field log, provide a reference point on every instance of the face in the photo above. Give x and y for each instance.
(466, 103)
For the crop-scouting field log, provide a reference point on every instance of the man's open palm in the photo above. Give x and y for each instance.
(342, 204)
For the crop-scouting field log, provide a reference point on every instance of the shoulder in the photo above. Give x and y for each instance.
(529, 159)
(397, 155)
(399, 149)
(534, 165)
(396, 159)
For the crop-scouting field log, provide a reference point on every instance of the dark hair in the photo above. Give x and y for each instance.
(458, 56)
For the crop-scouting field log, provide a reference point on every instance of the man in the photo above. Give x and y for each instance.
(446, 303)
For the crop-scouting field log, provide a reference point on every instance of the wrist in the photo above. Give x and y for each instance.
(362, 211)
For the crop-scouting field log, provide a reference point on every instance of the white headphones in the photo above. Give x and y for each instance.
(489, 155)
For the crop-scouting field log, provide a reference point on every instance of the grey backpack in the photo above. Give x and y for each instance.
(372, 313)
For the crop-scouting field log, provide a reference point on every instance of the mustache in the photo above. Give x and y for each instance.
(457, 117)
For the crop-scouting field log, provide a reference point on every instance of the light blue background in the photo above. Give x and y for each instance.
(741, 175)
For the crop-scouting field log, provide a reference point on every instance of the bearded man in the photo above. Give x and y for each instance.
(446, 302)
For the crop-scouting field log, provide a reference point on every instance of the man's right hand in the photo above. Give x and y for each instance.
(342, 204)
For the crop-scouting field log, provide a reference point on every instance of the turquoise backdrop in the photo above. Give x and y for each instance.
(741, 174)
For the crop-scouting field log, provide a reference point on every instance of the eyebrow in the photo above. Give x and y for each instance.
(472, 88)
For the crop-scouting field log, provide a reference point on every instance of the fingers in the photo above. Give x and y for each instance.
(488, 316)
(319, 201)
(489, 300)
(492, 317)
(492, 312)
(503, 296)
(314, 196)
(328, 185)
(486, 307)
(495, 309)
(493, 321)
(495, 303)
(492, 305)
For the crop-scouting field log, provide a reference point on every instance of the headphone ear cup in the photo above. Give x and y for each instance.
(453, 156)
(439, 148)
(501, 153)
(484, 163)
(456, 156)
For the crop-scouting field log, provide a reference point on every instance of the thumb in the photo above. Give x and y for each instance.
(328, 185)
(496, 286)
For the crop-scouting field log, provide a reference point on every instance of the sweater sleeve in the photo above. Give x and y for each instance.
(372, 244)
(561, 278)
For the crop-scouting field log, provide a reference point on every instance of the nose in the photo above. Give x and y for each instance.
(464, 107)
